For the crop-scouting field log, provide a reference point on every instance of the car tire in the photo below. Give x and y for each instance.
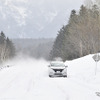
(50, 76)
(65, 76)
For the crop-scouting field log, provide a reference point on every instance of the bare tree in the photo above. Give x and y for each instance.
(84, 31)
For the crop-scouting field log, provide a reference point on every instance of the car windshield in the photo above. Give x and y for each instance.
(57, 64)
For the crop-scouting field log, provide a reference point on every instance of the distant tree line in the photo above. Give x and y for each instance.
(80, 37)
(7, 49)
(35, 48)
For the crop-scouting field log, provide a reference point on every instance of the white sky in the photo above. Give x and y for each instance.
(46, 15)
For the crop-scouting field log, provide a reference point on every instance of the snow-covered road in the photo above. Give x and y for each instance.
(28, 80)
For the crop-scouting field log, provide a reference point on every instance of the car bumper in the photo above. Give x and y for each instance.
(58, 75)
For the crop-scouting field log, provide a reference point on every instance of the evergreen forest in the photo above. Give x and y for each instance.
(80, 36)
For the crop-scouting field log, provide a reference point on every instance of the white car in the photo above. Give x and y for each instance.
(57, 68)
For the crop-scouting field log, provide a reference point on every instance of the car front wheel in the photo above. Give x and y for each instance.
(50, 76)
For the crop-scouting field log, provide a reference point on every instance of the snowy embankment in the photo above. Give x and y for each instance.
(82, 73)
(28, 79)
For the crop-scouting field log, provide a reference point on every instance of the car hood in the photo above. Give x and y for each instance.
(57, 67)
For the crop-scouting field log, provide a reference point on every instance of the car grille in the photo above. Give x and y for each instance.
(58, 73)
(60, 70)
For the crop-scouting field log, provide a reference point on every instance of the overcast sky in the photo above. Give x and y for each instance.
(56, 10)
(35, 18)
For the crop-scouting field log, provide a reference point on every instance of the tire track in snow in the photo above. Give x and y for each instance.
(75, 90)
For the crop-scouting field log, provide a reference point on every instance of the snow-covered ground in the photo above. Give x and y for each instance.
(27, 79)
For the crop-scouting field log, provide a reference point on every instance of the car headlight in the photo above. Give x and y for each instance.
(51, 71)
(64, 72)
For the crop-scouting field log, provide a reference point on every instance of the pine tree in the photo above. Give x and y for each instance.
(7, 49)
(58, 46)
(2, 37)
(11, 48)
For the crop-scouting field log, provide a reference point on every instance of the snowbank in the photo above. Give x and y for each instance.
(83, 70)
(27, 79)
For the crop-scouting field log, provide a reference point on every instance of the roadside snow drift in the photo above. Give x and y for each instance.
(27, 79)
